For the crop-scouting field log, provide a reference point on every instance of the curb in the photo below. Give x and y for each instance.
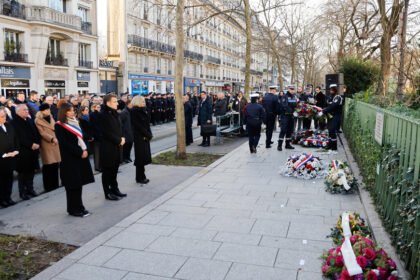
(102, 238)
(372, 217)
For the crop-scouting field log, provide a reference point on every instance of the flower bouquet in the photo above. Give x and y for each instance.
(304, 110)
(315, 141)
(306, 166)
(301, 134)
(374, 262)
(339, 178)
(357, 225)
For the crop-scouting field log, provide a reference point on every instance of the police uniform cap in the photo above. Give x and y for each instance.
(333, 86)
(272, 87)
(255, 94)
(291, 87)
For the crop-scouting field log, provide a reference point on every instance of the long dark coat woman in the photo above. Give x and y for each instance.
(142, 136)
(75, 171)
(205, 114)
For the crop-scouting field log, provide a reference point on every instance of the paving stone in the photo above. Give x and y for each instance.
(151, 229)
(138, 276)
(246, 254)
(307, 275)
(183, 209)
(146, 262)
(199, 269)
(205, 196)
(230, 224)
(238, 199)
(293, 259)
(153, 217)
(184, 247)
(285, 216)
(238, 238)
(295, 244)
(253, 272)
(131, 240)
(194, 234)
(269, 227)
(100, 255)
(186, 220)
(309, 231)
(228, 186)
(316, 212)
(229, 212)
(83, 271)
(295, 202)
(235, 205)
(185, 202)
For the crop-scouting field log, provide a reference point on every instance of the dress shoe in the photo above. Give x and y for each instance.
(202, 144)
(82, 214)
(110, 196)
(118, 193)
(206, 145)
(268, 146)
(144, 181)
(4, 204)
(25, 197)
(11, 202)
(271, 142)
(86, 213)
(32, 193)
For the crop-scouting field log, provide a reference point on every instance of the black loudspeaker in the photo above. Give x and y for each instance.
(337, 79)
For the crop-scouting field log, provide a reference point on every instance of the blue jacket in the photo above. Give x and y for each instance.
(205, 111)
(270, 103)
(254, 115)
(288, 104)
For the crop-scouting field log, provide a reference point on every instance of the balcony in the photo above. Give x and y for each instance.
(158, 71)
(86, 64)
(12, 9)
(87, 27)
(57, 61)
(169, 72)
(144, 43)
(16, 57)
(45, 14)
(193, 55)
(145, 69)
(213, 60)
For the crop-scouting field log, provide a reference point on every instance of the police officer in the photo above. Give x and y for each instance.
(270, 103)
(287, 104)
(335, 108)
(254, 116)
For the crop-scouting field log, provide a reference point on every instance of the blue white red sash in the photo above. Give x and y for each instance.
(335, 164)
(302, 163)
(72, 129)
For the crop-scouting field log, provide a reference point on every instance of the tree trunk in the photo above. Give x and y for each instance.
(181, 150)
(293, 66)
(280, 75)
(401, 78)
(385, 65)
(248, 28)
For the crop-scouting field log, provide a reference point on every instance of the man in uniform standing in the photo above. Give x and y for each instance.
(288, 104)
(270, 104)
(254, 116)
(335, 108)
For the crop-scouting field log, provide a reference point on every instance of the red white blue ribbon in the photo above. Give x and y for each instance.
(299, 165)
(71, 128)
(335, 164)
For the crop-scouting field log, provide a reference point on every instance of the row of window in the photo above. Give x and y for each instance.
(62, 6)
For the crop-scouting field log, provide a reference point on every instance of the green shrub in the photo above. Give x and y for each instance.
(359, 75)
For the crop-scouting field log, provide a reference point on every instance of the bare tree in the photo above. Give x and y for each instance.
(403, 34)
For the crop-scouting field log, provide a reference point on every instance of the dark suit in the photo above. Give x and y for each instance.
(205, 116)
(110, 151)
(8, 143)
(188, 113)
(127, 133)
(27, 160)
(142, 136)
(74, 170)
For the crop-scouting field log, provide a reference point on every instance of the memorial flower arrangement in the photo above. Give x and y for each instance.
(301, 134)
(315, 141)
(304, 110)
(306, 166)
(373, 260)
(339, 178)
(358, 227)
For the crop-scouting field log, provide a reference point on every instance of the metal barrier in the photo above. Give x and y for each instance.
(228, 124)
(395, 186)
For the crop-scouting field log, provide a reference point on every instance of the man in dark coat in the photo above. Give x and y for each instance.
(27, 160)
(270, 104)
(127, 132)
(111, 145)
(288, 104)
(97, 136)
(188, 113)
(220, 106)
(254, 116)
(8, 154)
(142, 137)
(321, 102)
(335, 108)
(238, 105)
(205, 116)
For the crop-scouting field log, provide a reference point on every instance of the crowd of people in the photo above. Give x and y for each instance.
(65, 132)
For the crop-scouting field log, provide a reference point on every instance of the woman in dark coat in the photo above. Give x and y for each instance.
(75, 169)
(85, 125)
(205, 112)
(142, 136)
(127, 131)
(188, 114)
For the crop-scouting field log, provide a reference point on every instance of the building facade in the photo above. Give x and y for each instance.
(49, 46)
(141, 40)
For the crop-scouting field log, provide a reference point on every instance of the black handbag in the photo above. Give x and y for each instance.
(208, 130)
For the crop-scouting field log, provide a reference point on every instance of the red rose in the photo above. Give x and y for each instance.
(353, 239)
(328, 261)
(345, 275)
(392, 264)
(362, 261)
(382, 272)
(325, 268)
(369, 254)
(339, 261)
(372, 276)
(392, 277)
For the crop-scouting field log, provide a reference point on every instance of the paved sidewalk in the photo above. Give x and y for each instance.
(237, 219)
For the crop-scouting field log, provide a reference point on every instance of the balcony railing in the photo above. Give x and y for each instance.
(145, 43)
(86, 64)
(16, 57)
(213, 59)
(193, 55)
(45, 14)
(58, 61)
(145, 69)
(12, 9)
(87, 27)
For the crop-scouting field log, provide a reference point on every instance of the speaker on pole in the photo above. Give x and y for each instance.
(337, 79)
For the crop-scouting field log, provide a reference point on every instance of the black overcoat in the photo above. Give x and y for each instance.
(8, 143)
(110, 127)
(27, 134)
(75, 171)
(126, 124)
(142, 136)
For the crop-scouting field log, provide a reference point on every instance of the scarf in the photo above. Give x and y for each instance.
(75, 124)
(48, 119)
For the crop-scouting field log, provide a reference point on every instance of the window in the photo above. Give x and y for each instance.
(58, 5)
(12, 43)
(145, 10)
(82, 12)
(54, 48)
(84, 55)
(158, 64)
